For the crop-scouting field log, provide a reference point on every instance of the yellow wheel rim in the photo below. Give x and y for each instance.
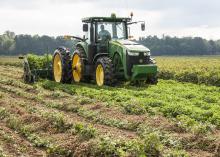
(57, 68)
(77, 68)
(99, 75)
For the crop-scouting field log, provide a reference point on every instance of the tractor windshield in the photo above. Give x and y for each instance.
(111, 30)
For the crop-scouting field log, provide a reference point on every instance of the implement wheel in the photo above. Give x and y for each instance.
(28, 77)
(62, 66)
(104, 73)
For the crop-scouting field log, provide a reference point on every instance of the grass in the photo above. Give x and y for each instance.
(11, 61)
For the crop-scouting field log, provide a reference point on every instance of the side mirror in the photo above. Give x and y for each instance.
(85, 28)
(143, 26)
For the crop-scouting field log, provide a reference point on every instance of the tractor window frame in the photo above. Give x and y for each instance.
(96, 29)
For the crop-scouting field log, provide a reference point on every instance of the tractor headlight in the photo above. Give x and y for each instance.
(147, 53)
(133, 53)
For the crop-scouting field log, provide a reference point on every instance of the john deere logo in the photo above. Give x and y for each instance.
(141, 61)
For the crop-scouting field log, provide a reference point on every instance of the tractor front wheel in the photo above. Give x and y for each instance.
(153, 80)
(104, 73)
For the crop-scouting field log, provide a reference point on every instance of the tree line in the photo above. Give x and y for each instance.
(12, 44)
(181, 46)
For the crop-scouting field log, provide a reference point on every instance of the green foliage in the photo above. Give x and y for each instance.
(11, 44)
(189, 124)
(2, 154)
(3, 113)
(106, 146)
(18, 125)
(6, 137)
(39, 62)
(14, 123)
(50, 85)
(98, 118)
(163, 138)
(85, 131)
(7, 42)
(148, 146)
(199, 70)
(152, 144)
(56, 94)
(169, 97)
(134, 108)
(39, 142)
(57, 119)
(180, 46)
(176, 153)
(54, 150)
(84, 100)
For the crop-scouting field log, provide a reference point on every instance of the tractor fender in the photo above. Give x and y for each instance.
(99, 55)
(123, 61)
(84, 46)
(121, 57)
(62, 50)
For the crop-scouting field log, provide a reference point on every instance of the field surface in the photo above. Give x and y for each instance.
(198, 69)
(48, 119)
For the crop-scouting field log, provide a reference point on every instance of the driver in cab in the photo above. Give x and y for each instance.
(104, 35)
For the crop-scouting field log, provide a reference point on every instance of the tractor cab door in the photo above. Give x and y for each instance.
(103, 35)
(92, 46)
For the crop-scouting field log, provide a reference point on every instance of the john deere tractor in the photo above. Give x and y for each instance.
(105, 54)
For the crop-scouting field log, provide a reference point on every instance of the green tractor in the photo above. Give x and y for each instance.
(105, 54)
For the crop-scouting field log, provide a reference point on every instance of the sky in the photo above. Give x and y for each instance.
(61, 17)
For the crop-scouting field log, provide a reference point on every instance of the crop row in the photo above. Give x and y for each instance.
(134, 101)
(203, 107)
(199, 70)
(163, 138)
(183, 121)
(105, 145)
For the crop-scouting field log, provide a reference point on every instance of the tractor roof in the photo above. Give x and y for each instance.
(113, 18)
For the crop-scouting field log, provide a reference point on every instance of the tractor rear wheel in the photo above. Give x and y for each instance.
(62, 70)
(77, 66)
(105, 74)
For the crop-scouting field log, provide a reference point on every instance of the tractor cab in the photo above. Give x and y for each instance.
(102, 29)
(99, 31)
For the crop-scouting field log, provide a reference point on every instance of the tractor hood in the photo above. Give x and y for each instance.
(133, 46)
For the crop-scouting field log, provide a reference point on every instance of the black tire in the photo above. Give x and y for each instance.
(109, 72)
(153, 80)
(28, 77)
(66, 64)
(80, 51)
